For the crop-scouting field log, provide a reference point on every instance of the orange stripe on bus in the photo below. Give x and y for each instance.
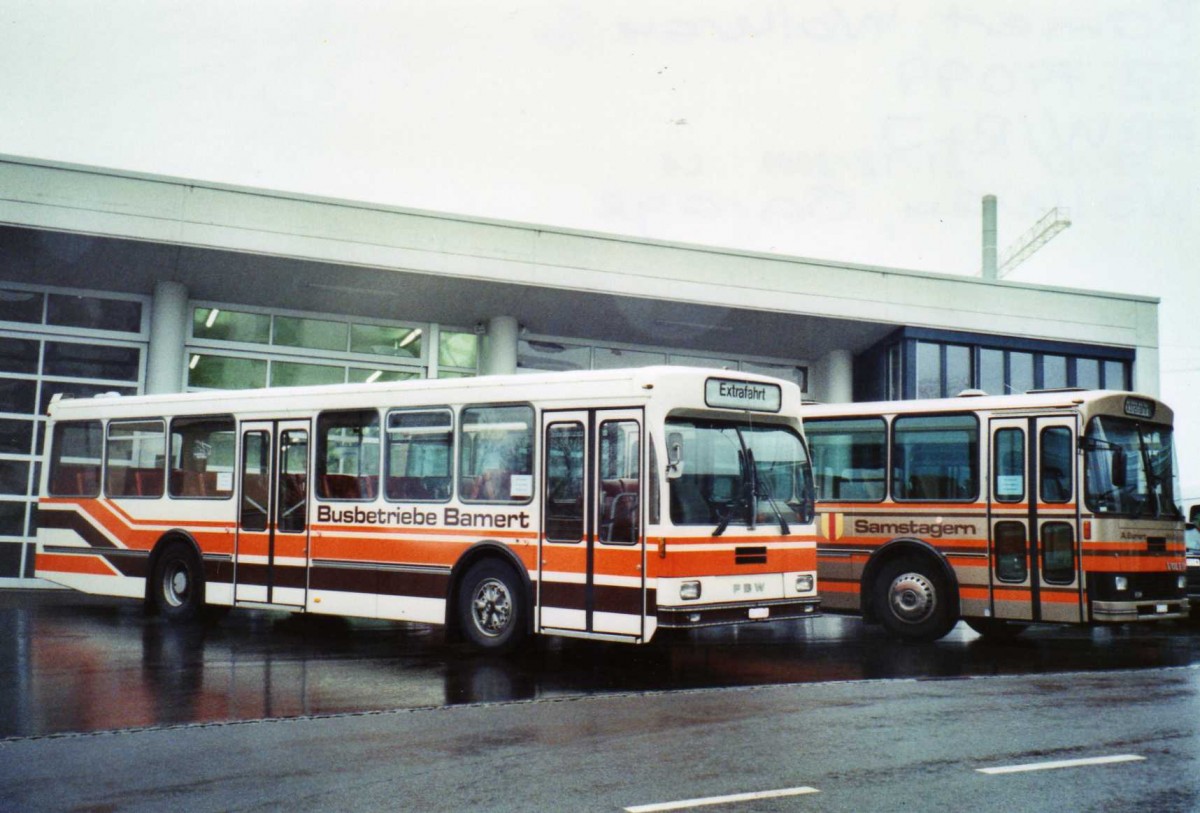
(827, 586)
(1131, 564)
(69, 563)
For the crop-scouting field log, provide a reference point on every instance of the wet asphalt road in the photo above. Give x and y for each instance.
(71, 663)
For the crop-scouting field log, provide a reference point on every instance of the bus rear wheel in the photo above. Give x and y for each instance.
(912, 600)
(178, 583)
(491, 607)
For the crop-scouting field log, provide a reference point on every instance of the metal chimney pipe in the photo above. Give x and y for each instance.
(989, 237)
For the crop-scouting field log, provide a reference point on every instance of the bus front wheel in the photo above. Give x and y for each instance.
(912, 600)
(178, 583)
(491, 608)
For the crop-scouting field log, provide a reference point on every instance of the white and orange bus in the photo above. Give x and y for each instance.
(602, 504)
(1056, 506)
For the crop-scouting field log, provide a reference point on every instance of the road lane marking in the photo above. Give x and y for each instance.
(1062, 763)
(720, 800)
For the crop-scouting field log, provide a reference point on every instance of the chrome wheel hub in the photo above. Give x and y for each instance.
(491, 607)
(175, 585)
(912, 597)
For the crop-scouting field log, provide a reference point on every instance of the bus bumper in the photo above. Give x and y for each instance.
(1141, 610)
(717, 615)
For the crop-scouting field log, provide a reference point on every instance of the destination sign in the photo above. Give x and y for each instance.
(756, 396)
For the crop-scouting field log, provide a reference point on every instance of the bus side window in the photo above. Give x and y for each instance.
(135, 458)
(202, 458)
(849, 458)
(496, 454)
(419, 454)
(935, 457)
(75, 459)
(348, 455)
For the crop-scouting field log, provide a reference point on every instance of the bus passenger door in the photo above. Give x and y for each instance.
(271, 554)
(591, 577)
(1009, 505)
(1058, 592)
(1033, 520)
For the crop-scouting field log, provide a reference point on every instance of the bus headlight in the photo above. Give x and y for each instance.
(1182, 582)
(804, 583)
(689, 591)
(1121, 583)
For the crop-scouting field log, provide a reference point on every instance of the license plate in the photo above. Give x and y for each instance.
(1193, 562)
(760, 612)
(1160, 608)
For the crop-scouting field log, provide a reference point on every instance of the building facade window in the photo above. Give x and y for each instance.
(921, 363)
(240, 348)
(54, 341)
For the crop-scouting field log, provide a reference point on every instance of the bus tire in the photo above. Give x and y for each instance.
(491, 607)
(178, 583)
(995, 629)
(913, 600)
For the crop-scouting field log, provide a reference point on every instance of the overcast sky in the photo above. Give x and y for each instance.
(860, 131)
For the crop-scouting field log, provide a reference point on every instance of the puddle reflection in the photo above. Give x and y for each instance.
(73, 663)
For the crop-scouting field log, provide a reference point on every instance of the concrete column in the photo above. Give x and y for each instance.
(168, 332)
(837, 374)
(1145, 371)
(500, 346)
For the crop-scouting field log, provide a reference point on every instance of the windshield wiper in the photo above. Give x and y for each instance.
(746, 465)
(765, 490)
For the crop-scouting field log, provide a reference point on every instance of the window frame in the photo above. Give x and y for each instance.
(233, 429)
(320, 471)
(996, 458)
(386, 454)
(885, 440)
(161, 469)
(1069, 471)
(973, 457)
(1042, 536)
(532, 436)
(56, 458)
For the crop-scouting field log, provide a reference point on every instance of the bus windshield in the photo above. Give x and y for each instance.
(709, 471)
(1130, 468)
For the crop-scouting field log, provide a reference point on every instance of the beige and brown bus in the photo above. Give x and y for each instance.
(1053, 506)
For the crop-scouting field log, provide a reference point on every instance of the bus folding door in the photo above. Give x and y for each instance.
(271, 555)
(1033, 520)
(591, 577)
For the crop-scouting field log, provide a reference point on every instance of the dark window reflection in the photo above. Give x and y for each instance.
(16, 436)
(20, 306)
(17, 396)
(69, 359)
(18, 355)
(94, 313)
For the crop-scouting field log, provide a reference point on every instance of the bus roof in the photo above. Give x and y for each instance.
(626, 384)
(1105, 401)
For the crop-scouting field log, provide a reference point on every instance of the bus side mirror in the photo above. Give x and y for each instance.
(1118, 467)
(674, 456)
